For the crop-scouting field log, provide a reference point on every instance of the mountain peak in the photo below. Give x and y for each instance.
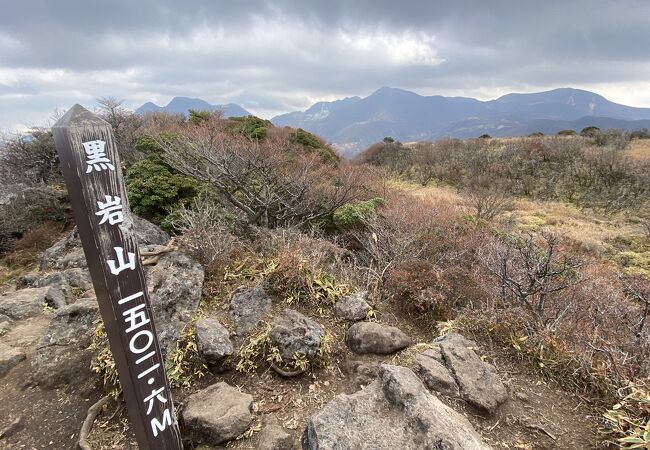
(182, 105)
(404, 115)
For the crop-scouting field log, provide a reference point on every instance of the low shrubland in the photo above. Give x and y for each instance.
(257, 204)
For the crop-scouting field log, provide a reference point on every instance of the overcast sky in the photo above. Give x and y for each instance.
(274, 57)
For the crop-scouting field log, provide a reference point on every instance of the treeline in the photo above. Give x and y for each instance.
(589, 171)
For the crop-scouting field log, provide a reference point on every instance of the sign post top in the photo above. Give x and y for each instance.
(78, 116)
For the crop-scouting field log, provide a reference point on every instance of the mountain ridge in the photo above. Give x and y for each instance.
(356, 122)
(182, 105)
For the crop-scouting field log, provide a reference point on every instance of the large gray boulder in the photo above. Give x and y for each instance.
(27, 303)
(212, 340)
(394, 412)
(9, 357)
(370, 337)
(68, 253)
(353, 307)
(479, 384)
(217, 414)
(174, 285)
(294, 333)
(247, 308)
(63, 356)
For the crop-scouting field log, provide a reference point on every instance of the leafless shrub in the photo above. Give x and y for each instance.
(489, 203)
(531, 270)
(271, 182)
(204, 230)
(637, 289)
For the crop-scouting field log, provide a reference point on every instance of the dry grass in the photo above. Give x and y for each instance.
(614, 238)
(639, 149)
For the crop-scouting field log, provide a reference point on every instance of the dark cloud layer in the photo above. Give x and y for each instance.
(277, 56)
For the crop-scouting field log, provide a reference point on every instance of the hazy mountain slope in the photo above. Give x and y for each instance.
(353, 123)
(183, 104)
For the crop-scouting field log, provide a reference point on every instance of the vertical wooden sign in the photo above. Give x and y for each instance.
(92, 172)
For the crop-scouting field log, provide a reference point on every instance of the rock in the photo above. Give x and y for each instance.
(394, 411)
(294, 333)
(5, 324)
(65, 253)
(362, 373)
(247, 308)
(29, 302)
(370, 337)
(71, 282)
(213, 340)
(63, 356)
(9, 357)
(68, 252)
(353, 307)
(218, 414)
(478, 383)
(435, 375)
(174, 285)
(273, 437)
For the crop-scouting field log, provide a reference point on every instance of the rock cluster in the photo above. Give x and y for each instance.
(394, 411)
(452, 368)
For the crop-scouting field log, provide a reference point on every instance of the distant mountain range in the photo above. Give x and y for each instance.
(183, 104)
(354, 123)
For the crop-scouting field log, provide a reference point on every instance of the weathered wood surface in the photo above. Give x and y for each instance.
(120, 288)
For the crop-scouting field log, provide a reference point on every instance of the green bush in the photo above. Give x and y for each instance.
(356, 214)
(311, 143)
(196, 117)
(589, 131)
(154, 188)
(252, 127)
(566, 133)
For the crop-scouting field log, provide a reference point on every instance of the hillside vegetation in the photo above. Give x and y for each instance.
(538, 248)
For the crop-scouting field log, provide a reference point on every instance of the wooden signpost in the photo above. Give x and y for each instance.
(92, 172)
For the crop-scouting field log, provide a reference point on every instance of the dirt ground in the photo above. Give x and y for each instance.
(539, 415)
(48, 418)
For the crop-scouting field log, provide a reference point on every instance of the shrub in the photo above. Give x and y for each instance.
(30, 159)
(485, 136)
(26, 209)
(566, 133)
(313, 143)
(251, 127)
(356, 214)
(269, 181)
(196, 117)
(488, 203)
(154, 188)
(390, 154)
(531, 270)
(306, 270)
(204, 228)
(417, 287)
(536, 134)
(590, 131)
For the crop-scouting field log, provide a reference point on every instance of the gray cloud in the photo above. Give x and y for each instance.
(273, 57)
